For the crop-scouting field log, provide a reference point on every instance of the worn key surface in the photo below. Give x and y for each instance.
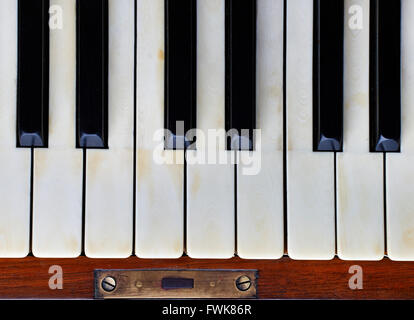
(359, 172)
(159, 222)
(15, 163)
(259, 181)
(57, 170)
(310, 175)
(399, 171)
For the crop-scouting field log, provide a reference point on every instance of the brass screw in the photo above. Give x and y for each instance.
(108, 284)
(243, 283)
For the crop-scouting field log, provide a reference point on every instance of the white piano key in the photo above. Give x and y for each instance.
(260, 196)
(399, 166)
(160, 186)
(360, 214)
(14, 163)
(310, 175)
(57, 182)
(109, 173)
(210, 187)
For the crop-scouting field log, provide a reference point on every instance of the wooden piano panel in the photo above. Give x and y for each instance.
(278, 279)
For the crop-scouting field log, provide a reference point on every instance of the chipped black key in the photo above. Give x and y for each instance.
(92, 74)
(241, 73)
(385, 75)
(328, 61)
(33, 73)
(180, 71)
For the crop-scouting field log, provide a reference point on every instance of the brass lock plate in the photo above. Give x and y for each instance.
(173, 284)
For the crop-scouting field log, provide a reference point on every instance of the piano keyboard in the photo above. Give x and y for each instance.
(210, 128)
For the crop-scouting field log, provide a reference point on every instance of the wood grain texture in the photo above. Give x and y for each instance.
(278, 279)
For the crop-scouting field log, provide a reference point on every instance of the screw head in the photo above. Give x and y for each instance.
(243, 283)
(108, 284)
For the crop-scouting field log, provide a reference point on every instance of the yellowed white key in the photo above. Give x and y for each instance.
(160, 173)
(260, 172)
(310, 175)
(399, 166)
(360, 213)
(109, 173)
(14, 163)
(210, 187)
(57, 181)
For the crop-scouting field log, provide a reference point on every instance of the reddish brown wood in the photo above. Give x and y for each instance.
(279, 279)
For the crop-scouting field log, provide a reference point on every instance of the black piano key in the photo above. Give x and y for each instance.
(33, 73)
(385, 75)
(241, 72)
(92, 74)
(180, 71)
(328, 59)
